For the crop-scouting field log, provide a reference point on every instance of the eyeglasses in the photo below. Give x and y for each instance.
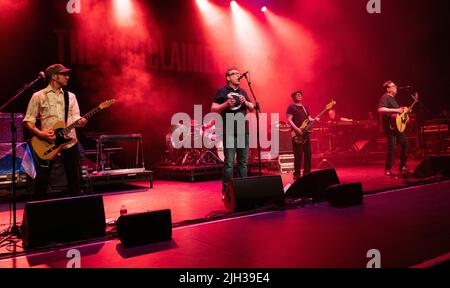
(234, 73)
(63, 74)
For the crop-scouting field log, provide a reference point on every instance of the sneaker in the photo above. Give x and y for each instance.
(389, 173)
(403, 170)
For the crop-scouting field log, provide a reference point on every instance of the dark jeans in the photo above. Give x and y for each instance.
(71, 160)
(391, 139)
(241, 158)
(302, 151)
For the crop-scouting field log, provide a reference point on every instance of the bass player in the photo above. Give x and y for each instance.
(296, 114)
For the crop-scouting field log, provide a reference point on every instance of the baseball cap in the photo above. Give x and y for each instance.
(55, 69)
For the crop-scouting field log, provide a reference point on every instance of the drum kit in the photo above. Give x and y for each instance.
(194, 156)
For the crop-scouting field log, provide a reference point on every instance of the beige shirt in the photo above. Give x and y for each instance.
(48, 106)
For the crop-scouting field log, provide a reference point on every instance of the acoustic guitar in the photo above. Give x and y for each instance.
(46, 150)
(402, 119)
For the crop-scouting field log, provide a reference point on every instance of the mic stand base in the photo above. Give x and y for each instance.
(15, 231)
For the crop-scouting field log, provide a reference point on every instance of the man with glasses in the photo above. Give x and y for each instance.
(51, 105)
(233, 101)
(389, 108)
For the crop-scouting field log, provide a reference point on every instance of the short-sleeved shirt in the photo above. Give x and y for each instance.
(299, 113)
(387, 101)
(225, 93)
(48, 106)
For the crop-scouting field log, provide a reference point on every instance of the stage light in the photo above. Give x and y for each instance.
(264, 9)
(124, 11)
(201, 3)
(233, 4)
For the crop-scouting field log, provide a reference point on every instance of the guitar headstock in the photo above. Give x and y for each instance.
(106, 104)
(330, 105)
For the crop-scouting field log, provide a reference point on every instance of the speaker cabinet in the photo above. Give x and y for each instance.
(344, 195)
(433, 166)
(63, 220)
(5, 127)
(313, 185)
(144, 228)
(253, 192)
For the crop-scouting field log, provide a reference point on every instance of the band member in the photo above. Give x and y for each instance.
(389, 108)
(296, 114)
(333, 119)
(49, 105)
(232, 100)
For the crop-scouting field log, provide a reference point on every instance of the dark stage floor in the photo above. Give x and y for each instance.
(406, 223)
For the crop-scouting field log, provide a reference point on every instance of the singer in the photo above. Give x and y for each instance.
(389, 108)
(50, 105)
(232, 100)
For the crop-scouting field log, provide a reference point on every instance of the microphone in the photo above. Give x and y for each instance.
(242, 75)
(41, 75)
(405, 87)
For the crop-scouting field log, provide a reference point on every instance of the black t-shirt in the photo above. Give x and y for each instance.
(299, 114)
(387, 101)
(227, 92)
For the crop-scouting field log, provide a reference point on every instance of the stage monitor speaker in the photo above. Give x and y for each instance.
(313, 185)
(63, 220)
(344, 195)
(433, 166)
(144, 228)
(252, 192)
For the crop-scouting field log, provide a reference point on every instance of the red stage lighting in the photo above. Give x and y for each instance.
(201, 3)
(124, 11)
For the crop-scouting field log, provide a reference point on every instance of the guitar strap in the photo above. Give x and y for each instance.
(66, 105)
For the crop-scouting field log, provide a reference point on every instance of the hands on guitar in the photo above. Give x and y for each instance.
(47, 135)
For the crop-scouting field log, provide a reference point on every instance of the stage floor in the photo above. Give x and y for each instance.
(406, 228)
(195, 201)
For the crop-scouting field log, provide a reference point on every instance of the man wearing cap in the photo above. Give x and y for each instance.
(49, 105)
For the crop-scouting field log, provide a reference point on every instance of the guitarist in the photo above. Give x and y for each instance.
(296, 114)
(50, 105)
(388, 109)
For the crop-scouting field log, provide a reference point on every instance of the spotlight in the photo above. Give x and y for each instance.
(264, 9)
(201, 3)
(233, 3)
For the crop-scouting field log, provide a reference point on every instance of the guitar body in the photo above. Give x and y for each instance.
(402, 119)
(47, 151)
(303, 137)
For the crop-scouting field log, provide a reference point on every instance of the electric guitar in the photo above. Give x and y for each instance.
(306, 125)
(46, 150)
(402, 119)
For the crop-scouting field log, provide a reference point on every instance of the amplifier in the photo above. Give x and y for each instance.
(435, 128)
(5, 127)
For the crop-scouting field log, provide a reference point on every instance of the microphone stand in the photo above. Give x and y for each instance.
(422, 123)
(15, 230)
(258, 110)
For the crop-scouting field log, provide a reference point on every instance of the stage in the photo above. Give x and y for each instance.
(403, 219)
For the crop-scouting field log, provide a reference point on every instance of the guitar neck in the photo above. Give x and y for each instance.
(413, 104)
(319, 115)
(85, 116)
